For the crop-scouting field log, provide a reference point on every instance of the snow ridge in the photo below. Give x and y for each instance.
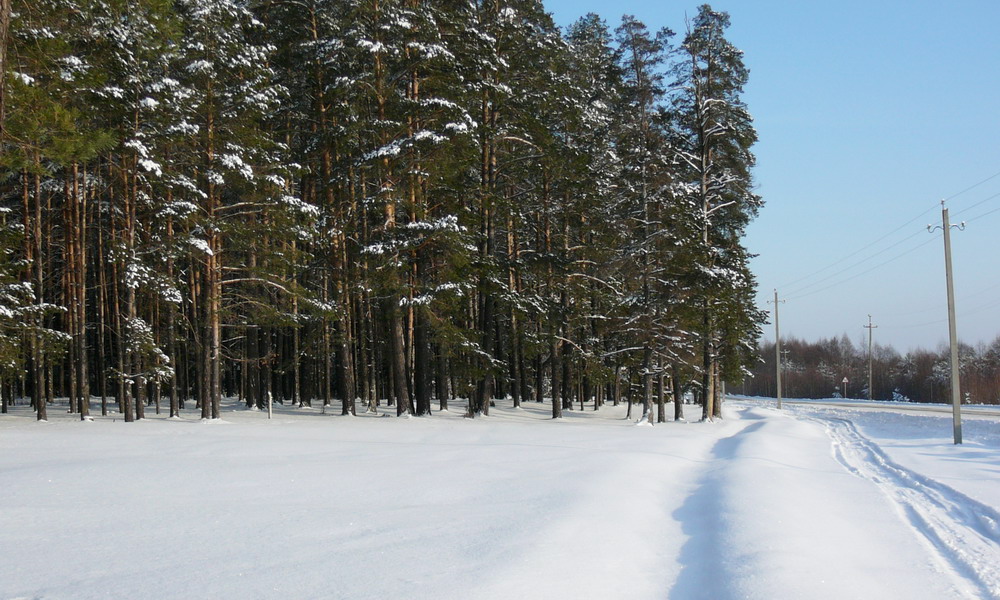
(964, 532)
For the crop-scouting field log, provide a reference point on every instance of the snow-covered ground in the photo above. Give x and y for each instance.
(808, 502)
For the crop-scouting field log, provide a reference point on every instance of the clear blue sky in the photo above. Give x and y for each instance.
(869, 114)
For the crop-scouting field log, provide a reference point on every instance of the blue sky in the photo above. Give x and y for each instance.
(869, 114)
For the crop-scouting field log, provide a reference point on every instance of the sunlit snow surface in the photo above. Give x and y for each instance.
(809, 502)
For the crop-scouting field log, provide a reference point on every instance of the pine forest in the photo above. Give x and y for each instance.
(372, 205)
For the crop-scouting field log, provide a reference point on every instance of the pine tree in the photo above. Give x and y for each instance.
(646, 188)
(225, 68)
(714, 135)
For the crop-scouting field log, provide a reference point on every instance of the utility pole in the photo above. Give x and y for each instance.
(777, 345)
(956, 400)
(869, 327)
(784, 360)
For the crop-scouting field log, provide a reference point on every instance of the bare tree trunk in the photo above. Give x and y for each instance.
(717, 389)
(647, 381)
(366, 365)
(327, 348)
(556, 368)
(540, 381)
(134, 364)
(565, 360)
(423, 363)
(171, 325)
(38, 391)
(708, 365)
(69, 288)
(216, 328)
(515, 363)
(398, 358)
(205, 362)
(122, 392)
(102, 312)
(661, 410)
(344, 342)
(80, 199)
(441, 378)
(296, 356)
(678, 393)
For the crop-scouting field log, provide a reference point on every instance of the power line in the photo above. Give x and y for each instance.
(962, 299)
(855, 276)
(961, 313)
(801, 289)
(974, 186)
(987, 199)
(980, 308)
(913, 325)
(976, 218)
(883, 237)
(858, 251)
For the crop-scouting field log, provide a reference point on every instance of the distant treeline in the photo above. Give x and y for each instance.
(817, 370)
(369, 200)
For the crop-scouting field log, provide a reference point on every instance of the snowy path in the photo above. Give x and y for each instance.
(784, 519)
(964, 532)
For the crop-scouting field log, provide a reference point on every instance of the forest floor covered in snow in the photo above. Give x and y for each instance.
(808, 502)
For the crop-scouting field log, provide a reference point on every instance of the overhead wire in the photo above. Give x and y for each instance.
(805, 290)
(800, 291)
(984, 200)
(961, 313)
(940, 305)
(851, 266)
(856, 252)
(977, 217)
(962, 299)
(866, 271)
(973, 186)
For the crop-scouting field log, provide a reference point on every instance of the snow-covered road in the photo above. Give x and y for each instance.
(967, 410)
(808, 502)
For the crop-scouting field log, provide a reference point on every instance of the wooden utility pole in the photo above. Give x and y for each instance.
(870, 327)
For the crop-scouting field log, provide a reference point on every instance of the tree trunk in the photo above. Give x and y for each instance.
(556, 368)
(661, 410)
(38, 358)
(708, 365)
(647, 381)
(345, 363)
(678, 393)
(422, 362)
(398, 358)
(540, 381)
(718, 389)
(80, 233)
(441, 376)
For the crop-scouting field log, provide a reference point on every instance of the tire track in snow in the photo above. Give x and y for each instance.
(964, 531)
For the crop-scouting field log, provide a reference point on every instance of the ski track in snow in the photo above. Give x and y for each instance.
(964, 532)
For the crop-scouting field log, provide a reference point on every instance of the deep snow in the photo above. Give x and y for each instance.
(808, 502)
